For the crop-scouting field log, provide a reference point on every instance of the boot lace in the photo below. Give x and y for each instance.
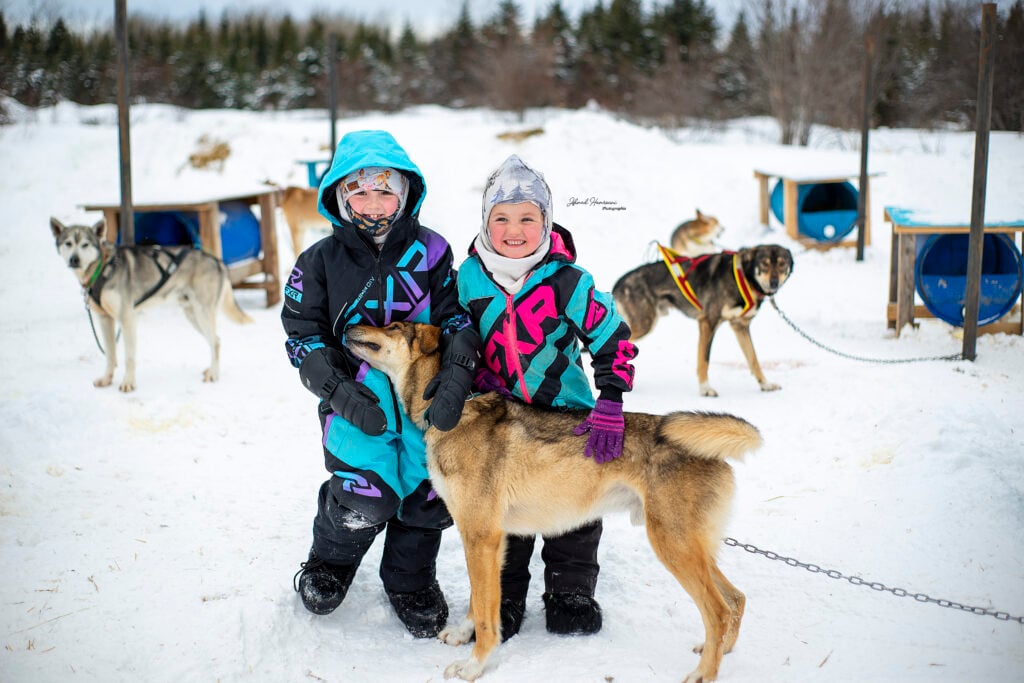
(311, 563)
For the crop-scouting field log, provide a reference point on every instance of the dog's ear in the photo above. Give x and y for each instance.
(429, 337)
(700, 216)
(100, 229)
(56, 227)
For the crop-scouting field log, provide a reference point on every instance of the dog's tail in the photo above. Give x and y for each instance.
(711, 435)
(230, 307)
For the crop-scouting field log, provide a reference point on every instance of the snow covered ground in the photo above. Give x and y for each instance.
(153, 536)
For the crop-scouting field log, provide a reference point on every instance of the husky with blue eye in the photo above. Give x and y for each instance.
(118, 280)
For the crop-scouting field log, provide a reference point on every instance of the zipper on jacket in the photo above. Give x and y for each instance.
(394, 402)
(514, 341)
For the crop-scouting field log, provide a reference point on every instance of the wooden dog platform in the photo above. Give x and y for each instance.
(907, 225)
(791, 181)
(257, 273)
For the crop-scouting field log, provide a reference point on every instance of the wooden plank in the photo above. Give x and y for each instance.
(763, 197)
(905, 282)
(209, 231)
(268, 238)
(789, 197)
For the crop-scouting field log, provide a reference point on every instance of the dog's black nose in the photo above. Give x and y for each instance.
(74, 261)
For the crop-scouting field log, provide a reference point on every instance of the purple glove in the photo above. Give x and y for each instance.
(486, 381)
(606, 425)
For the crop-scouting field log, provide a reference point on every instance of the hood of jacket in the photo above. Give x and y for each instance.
(360, 149)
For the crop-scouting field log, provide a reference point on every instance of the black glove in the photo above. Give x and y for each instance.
(460, 353)
(360, 406)
(325, 373)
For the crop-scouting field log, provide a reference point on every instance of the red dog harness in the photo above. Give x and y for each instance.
(680, 267)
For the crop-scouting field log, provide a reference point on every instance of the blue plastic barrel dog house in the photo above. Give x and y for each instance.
(941, 276)
(826, 212)
(239, 230)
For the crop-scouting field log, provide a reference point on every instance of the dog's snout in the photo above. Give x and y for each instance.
(74, 261)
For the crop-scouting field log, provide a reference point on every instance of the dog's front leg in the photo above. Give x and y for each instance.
(130, 339)
(109, 349)
(742, 330)
(483, 561)
(707, 334)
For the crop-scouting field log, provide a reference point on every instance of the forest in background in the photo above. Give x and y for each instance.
(800, 62)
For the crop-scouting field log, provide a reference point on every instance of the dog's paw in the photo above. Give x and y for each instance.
(706, 390)
(209, 375)
(770, 386)
(466, 669)
(104, 381)
(127, 386)
(457, 635)
(696, 677)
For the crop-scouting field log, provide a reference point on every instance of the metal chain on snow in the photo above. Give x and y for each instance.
(954, 356)
(873, 585)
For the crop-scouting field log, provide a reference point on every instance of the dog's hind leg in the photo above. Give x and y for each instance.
(737, 602)
(483, 548)
(203, 316)
(742, 330)
(687, 555)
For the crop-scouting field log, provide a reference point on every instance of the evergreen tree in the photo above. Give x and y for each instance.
(736, 73)
(1008, 90)
(553, 35)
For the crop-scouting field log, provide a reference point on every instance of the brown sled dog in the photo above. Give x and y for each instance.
(715, 293)
(697, 236)
(510, 468)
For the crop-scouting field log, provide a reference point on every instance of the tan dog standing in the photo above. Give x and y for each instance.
(511, 468)
(697, 236)
(300, 212)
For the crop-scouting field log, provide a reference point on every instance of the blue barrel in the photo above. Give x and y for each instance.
(941, 276)
(166, 228)
(239, 230)
(239, 233)
(826, 212)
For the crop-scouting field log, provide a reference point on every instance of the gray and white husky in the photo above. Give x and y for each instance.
(117, 280)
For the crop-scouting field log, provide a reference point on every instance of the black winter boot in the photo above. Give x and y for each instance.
(424, 612)
(572, 613)
(322, 585)
(512, 613)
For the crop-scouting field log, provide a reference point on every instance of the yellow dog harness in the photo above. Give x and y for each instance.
(680, 267)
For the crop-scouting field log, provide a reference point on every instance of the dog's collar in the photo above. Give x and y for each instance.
(99, 268)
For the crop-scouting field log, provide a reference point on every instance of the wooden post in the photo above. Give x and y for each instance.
(332, 88)
(986, 68)
(127, 226)
(862, 195)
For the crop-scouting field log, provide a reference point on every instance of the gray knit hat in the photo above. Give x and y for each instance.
(514, 183)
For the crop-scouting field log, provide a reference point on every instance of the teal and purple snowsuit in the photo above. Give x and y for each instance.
(344, 280)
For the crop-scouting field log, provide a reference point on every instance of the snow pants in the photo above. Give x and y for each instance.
(570, 562)
(342, 534)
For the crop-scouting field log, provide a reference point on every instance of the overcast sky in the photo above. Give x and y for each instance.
(426, 16)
